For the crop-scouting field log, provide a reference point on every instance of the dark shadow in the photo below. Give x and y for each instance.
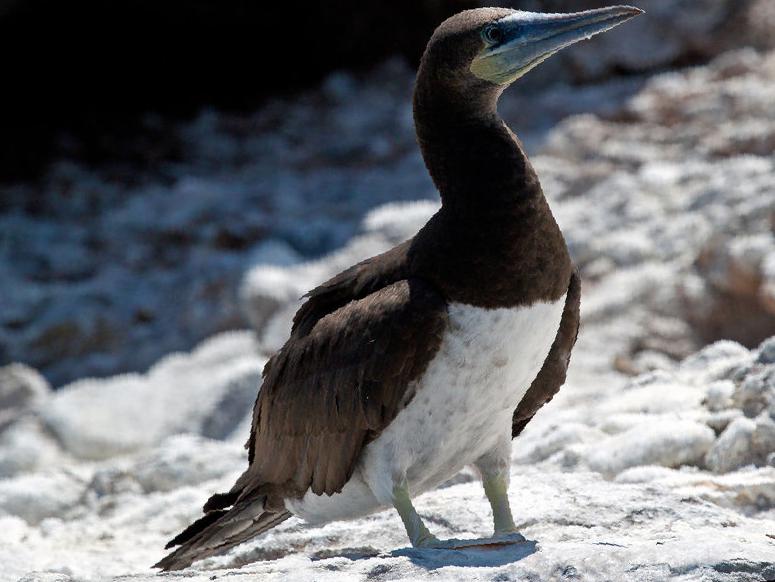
(471, 557)
(351, 554)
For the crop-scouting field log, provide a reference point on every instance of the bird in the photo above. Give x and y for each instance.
(413, 364)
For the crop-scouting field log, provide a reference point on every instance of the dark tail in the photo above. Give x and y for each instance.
(219, 531)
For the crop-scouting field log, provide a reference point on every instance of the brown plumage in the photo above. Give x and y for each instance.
(325, 395)
(363, 340)
(347, 379)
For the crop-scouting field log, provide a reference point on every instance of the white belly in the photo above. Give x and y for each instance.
(463, 406)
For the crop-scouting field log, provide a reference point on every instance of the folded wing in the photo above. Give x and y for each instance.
(328, 393)
(552, 375)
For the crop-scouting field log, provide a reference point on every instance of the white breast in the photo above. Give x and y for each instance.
(466, 398)
(463, 405)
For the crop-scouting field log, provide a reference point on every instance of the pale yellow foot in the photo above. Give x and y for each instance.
(420, 537)
(418, 534)
(496, 488)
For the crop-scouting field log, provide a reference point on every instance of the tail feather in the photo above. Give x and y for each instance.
(219, 531)
(199, 525)
(221, 501)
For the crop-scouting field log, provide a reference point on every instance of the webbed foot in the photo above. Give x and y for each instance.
(509, 536)
(431, 542)
(492, 543)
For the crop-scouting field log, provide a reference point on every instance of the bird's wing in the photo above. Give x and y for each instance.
(354, 283)
(552, 375)
(329, 392)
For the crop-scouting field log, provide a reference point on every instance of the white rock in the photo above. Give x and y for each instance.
(554, 439)
(97, 419)
(41, 495)
(187, 460)
(268, 290)
(756, 391)
(21, 389)
(734, 448)
(719, 395)
(663, 442)
(277, 330)
(717, 358)
(25, 446)
(596, 529)
(234, 406)
(649, 360)
(46, 577)
(763, 438)
(766, 352)
(644, 474)
(622, 422)
(109, 482)
(719, 421)
(399, 221)
(747, 491)
(664, 397)
(274, 252)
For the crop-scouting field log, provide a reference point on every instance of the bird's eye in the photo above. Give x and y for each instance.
(492, 34)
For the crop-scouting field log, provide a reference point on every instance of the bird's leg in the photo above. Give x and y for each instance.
(494, 468)
(415, 528)
(496, 487)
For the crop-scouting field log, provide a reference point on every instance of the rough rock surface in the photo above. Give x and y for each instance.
(660, 515)
(27, 446)
(132, 412)
(672, 417)
(645, 478)
(671, 201)
(580, 527)
(21, 389)
(648, 465)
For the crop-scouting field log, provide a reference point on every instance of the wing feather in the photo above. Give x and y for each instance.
(326, 394)
(552, 375)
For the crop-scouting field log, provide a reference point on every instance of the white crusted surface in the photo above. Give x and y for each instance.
(672, 526)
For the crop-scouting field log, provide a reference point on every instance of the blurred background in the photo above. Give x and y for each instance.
(175, 175)
(152, 153)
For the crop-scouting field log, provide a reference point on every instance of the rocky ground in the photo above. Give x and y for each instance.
(669, 475)
(655, 462)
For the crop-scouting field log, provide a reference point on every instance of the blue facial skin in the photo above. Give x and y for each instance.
(517, 43)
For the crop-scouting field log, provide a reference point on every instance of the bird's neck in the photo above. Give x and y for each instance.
(494, 243)
(476, 162)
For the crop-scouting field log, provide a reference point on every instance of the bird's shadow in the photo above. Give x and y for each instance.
(473, 556)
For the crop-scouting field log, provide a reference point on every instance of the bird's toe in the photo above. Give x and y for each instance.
(429, 541)
(508, 536)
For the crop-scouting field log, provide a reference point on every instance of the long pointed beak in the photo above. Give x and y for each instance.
(529, 38)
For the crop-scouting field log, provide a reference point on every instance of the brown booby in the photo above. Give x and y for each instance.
(415, 363)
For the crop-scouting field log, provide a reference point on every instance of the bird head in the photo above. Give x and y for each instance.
(493, 47)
